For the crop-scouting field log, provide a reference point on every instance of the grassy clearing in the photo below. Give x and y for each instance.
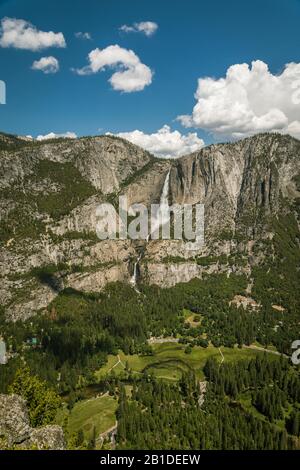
(245, 400)
(98, 412)
(189, 318)
(170, 360)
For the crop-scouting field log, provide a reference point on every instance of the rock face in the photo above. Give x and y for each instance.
(15, 428)
(212, 176)
(49, 193)
(233, 180)
(169, 274)
(48, 437)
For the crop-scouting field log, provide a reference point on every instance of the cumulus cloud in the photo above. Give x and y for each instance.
(52, 135)
(164, 143)
(23, 35)
(146, 27)
(46, 64)
(247, 101)
(131, 74)
(81, 35)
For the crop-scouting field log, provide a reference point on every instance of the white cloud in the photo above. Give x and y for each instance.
(164, 143)
(46, 64)
(247, 101)
(23, 35)
(127, 29)
(81, 35)
(131, 74)
(52, 135)
(146, 27)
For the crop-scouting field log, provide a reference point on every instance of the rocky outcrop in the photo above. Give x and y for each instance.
(202, 392)
(167, 275)
(95, 282)
(15, 429)
(14, 419)
(35, 300)
(244, 302)
(80, 265)
(48, 437)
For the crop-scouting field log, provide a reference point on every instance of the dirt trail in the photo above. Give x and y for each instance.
(270, 351)
(117, 363)
(223, 358)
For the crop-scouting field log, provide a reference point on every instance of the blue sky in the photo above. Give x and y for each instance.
(195, 39)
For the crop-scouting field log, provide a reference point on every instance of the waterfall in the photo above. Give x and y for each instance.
(133, 279)
(164, 198)
(163, 203)
(164, 209)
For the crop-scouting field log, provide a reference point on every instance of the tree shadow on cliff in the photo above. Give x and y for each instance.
(49, 276)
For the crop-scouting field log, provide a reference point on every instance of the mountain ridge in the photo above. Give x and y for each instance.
(49, 192)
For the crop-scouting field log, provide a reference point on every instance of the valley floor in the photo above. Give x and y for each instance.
(170, 360)
(97, 414)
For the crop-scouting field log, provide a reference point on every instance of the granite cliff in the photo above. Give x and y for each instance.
(49, 192)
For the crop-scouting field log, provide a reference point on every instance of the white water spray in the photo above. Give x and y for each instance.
(164, 198)
(163, 205)
(133, 279)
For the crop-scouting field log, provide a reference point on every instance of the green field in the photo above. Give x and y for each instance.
(170, 360)
(98, 412)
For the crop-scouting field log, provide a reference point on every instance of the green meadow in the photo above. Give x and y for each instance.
(169, 360)
(94, 413)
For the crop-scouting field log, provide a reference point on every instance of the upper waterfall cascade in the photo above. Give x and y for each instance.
(163, 206)
(164, 198)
